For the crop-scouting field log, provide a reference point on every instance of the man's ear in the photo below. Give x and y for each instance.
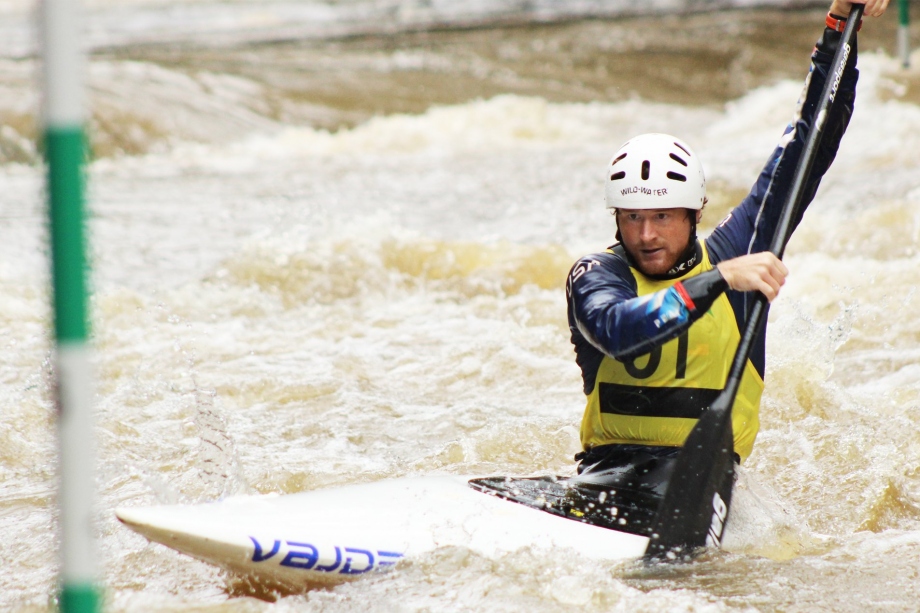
(699, 216)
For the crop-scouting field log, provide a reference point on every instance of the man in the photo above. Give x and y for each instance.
(656, 318)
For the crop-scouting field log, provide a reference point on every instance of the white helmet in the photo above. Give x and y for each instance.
(655, 171)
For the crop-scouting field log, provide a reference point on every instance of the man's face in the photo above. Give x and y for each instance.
(656, 238)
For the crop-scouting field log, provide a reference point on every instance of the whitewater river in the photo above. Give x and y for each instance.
(339, 261)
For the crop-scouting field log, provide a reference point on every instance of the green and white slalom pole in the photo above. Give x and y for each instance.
(63, 121)
(904, 32)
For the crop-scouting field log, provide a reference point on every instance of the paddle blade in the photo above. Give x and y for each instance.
(694, 510)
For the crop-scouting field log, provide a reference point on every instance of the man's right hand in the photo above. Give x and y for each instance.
(762, 272)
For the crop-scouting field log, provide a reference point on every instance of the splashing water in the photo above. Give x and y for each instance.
(282, 307)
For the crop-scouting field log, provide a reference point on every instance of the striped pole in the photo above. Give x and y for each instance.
(903, 32)
(64, 149)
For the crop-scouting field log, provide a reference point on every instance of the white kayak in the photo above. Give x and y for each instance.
(331, 535)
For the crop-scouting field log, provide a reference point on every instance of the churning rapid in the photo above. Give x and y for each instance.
(342, 261)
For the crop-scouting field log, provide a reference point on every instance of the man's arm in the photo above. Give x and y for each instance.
(605, 309)
(749, 228)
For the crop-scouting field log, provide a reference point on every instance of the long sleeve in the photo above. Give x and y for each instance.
(750, 227)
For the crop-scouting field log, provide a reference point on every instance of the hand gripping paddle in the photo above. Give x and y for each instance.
(695, 506)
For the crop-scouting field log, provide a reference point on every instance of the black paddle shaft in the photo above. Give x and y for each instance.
(695, 506)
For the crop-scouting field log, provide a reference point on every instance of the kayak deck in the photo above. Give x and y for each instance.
(621, 509)
(336, 534)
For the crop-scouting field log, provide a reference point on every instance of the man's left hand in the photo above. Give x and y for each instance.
(874, 8)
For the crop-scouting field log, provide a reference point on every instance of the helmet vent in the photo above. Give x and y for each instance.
(618, 159)
(682, 149)
(617, 176)
(645, 170)
(679, 160)
(677, 177)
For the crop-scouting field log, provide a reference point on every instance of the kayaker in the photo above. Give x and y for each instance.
(656, 318)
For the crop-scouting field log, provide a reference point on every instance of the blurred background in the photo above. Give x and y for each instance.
(329, 243)
(179, 70)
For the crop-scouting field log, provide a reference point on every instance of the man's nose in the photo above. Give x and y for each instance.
(647, 230)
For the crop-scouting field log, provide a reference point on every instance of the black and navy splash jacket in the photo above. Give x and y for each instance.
(608, 317)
